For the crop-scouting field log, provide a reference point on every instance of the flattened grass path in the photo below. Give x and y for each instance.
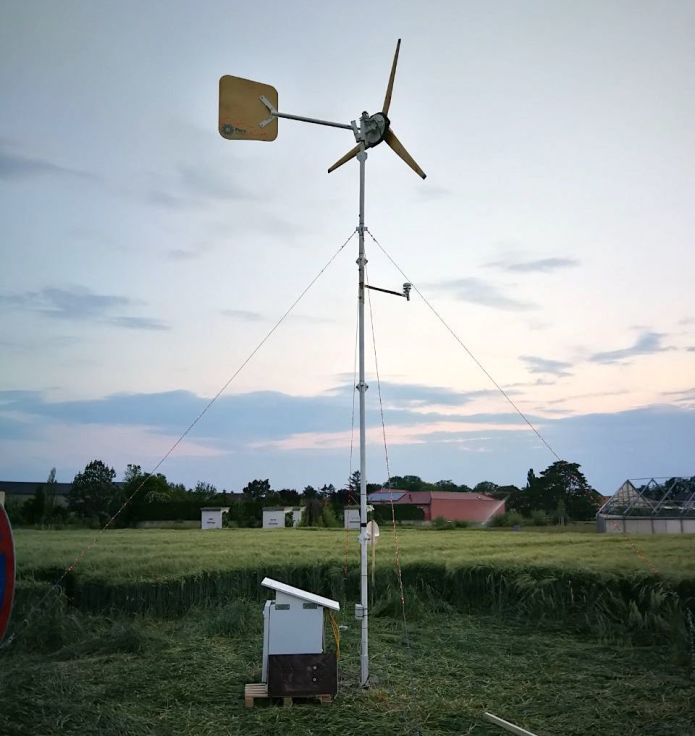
(186, 678)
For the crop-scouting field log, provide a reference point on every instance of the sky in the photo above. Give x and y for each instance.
(144, 257)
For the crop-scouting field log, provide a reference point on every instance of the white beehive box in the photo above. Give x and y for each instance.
(293, 622)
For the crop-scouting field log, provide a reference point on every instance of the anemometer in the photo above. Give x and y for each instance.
(248, 111)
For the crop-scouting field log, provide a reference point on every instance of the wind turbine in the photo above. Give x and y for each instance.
(248, 111)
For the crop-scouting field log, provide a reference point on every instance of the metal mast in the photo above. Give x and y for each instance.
(362, 388)
(248, 111)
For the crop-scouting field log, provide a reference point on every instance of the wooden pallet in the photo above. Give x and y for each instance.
(258, 690)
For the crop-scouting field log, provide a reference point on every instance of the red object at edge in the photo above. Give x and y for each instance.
(7, 573)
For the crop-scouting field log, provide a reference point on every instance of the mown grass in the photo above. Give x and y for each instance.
(114, 676)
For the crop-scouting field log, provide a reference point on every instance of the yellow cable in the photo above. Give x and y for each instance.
(336, 633)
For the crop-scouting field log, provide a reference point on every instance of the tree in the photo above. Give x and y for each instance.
(411, 483)
(310, 492)
(485, 486)
(50, 496)
(206, 491)
(34, 509)
(318, 513)
(257, 490)
(312, 512)
(328, 517)
(446, 485)
(562, 490)
(149, 487)
(141, 489)
(178, 492)
(353, 485)
(288, 497)
(93, 494)
(565, 482)
(327, 490)
(561, 513)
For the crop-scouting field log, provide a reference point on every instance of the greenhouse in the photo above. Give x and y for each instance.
(650, 506)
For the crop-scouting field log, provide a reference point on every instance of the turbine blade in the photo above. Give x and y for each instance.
(399, 149)
(389, 87)
(350, 154)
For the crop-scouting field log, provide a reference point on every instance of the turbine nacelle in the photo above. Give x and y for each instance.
(373, 128)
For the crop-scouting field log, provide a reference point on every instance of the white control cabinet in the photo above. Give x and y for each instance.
(293, 622)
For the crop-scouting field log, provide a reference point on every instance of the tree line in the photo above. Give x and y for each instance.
(559, 493)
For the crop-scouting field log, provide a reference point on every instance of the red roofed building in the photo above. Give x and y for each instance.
(452, 506)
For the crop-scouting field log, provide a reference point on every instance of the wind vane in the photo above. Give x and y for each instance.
(248, 110)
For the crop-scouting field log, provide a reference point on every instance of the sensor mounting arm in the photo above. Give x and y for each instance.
(405, 293)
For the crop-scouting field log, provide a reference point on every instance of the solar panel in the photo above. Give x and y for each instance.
(385, 496)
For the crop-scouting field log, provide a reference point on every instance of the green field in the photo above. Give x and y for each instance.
(156, 632)
(152, 555)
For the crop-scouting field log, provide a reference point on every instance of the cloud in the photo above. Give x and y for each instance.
(211, 183)
(12, 397)
(195, 184)
(416, 395)
(591, 395)
(138, 323)
(534, 364)
(478, 291)
(249, 417)
(683, 396)
(80, 305)
(294, 439)
(243, 315)
(312, 319)
(33, 342)
(433, 193)
(16, 166)
(179, 254)
(648, 343)
(540, 265)
(160, 198)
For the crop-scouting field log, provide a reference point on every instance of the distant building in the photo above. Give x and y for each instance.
(450, 505)
(655, 507)
(21, 491)
(274, 516)
(211, 516)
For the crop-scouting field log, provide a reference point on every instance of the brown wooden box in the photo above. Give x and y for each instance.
(301, 675)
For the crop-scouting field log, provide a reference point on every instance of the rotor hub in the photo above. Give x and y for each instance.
(374, 128)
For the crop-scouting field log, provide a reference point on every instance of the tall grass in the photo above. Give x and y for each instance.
(522, 576)
(642, 608)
